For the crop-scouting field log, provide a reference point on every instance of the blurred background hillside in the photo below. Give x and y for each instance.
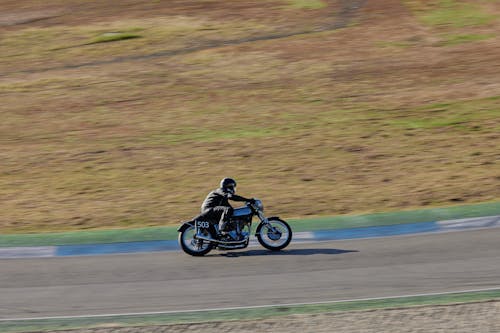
(126, 114)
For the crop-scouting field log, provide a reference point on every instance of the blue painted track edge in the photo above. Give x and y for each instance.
(299, 237)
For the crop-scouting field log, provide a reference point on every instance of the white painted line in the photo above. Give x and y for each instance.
(478, 222)
(27, 252)
(255, 306)
(303, 235)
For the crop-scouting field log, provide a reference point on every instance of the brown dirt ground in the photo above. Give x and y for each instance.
(377, 116)
(78, 12)
(460, 318)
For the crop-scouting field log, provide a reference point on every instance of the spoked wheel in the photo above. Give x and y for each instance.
(193, 246)
(274, 236)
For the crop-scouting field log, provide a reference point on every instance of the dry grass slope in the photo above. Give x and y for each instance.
(383, 114)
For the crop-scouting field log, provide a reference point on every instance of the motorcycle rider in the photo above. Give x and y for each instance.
(216, 206)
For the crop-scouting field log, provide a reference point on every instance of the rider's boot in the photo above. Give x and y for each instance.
(224, 234)
(222, 227)
(218, 233)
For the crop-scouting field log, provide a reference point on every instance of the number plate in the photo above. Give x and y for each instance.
(202, 224)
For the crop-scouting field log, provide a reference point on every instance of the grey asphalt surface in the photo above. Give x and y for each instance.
(323, 271)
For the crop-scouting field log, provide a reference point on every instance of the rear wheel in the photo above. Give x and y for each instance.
(193, 246)
(274, 236)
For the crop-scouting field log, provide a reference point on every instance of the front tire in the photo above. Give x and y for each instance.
(192, 246)
(274, 236)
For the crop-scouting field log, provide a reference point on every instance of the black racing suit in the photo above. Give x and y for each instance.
(216, 207)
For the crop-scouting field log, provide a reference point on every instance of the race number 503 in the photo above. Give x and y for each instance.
(202, 224)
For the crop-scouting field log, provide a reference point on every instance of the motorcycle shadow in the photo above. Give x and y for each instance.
(291, 252)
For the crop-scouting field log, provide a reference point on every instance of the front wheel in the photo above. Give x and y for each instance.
(275, 235)
(191, 245)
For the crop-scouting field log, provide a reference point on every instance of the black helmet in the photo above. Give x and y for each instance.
(228, 185)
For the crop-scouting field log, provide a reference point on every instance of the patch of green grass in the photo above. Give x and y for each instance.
(432, 123)
(463, 115)
(306, 4)
(450, 40)
(113, 37)
(456, 14)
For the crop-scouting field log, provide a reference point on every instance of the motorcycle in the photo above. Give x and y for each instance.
(197, 238)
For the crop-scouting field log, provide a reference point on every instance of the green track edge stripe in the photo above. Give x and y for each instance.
(15, 326)
(298, 225)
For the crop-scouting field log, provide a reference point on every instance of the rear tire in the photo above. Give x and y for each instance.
(276, 239)
(192, 246)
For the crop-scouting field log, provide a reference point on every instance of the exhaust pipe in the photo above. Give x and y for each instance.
(229, 247)
(210, 239)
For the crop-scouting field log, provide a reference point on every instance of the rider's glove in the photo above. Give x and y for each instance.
(252, 201)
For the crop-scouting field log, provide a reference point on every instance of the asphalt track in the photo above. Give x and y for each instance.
(325, 271)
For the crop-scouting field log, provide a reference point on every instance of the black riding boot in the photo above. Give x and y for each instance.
(224, 220)
(222, 227)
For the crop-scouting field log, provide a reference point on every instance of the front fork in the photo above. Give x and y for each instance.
(265, 221)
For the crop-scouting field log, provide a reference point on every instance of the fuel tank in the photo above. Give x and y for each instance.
(242, 211)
